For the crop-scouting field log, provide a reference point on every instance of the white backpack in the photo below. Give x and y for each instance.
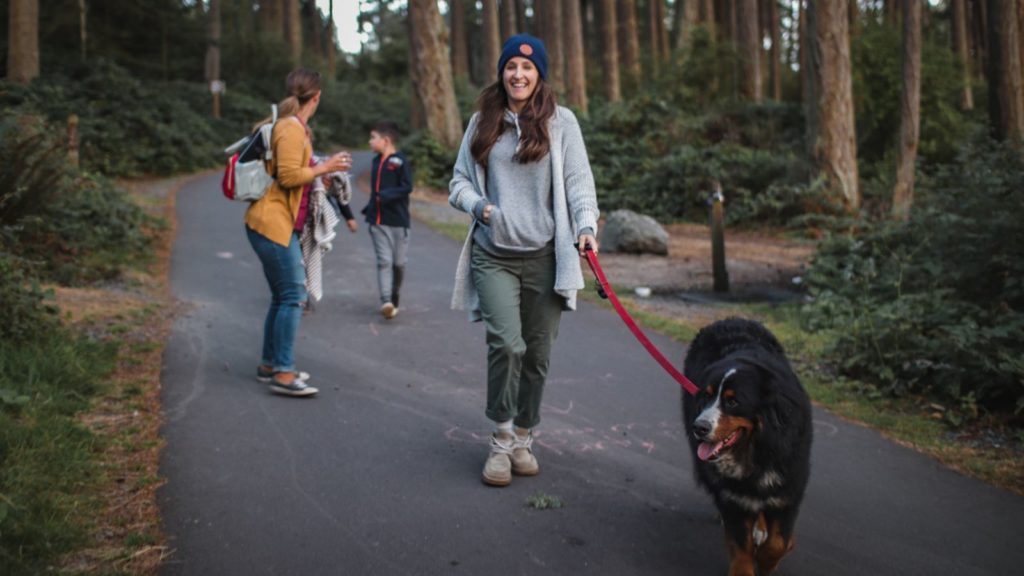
(245, 177)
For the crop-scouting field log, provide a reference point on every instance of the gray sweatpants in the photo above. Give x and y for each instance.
(390, 243)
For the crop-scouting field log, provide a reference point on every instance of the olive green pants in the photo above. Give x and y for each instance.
(521, 312)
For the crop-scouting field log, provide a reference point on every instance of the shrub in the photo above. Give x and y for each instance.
(650, 157)
(935, 305)
(126, 127)
(432, 163)
(76, 228)
(24, 315)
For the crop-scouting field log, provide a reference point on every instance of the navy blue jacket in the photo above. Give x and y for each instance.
(390, 186)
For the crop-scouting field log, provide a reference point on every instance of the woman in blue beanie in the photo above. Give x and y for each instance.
(523, 173)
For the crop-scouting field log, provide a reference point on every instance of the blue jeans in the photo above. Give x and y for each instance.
(286, 275)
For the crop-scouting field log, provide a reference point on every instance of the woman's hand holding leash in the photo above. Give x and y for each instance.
(585, 241)
(486, 214)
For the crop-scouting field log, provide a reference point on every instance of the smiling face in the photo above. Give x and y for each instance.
(520, 78)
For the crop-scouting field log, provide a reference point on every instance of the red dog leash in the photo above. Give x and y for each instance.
(606, 292)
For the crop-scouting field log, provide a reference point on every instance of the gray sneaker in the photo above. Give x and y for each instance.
(524, 463)
(266, 375)
(297, 387)
(498, 468)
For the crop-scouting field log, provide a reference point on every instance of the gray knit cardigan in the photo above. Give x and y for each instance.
(574, 200)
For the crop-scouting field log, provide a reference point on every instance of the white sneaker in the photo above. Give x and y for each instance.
(498, 468)
(524, 463)
(388, 311)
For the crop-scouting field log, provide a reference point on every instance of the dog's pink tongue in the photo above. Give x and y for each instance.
(707, 450)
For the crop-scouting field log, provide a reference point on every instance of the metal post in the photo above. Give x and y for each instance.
(73, 140)
(721, 275)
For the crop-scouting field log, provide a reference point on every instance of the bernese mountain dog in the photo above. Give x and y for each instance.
(749, 429)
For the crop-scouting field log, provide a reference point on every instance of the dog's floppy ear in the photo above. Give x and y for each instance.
(771, 380)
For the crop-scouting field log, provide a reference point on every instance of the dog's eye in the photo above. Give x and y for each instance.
(732, 402)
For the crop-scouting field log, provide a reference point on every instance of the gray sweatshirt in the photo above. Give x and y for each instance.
(573, 207)
(521, 222)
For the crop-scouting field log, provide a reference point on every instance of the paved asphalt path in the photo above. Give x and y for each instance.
(380, 473)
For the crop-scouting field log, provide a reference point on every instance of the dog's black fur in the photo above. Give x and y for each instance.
(754, 419)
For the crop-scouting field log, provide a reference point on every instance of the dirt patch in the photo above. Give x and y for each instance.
(762, 264)
(136, 311)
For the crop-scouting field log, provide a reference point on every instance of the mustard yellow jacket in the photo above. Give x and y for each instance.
(274, 215)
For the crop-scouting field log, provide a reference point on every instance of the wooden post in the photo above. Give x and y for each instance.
(73, 140)
(721, 275)
(216, 89)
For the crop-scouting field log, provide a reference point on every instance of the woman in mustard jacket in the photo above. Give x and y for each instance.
(274, 222)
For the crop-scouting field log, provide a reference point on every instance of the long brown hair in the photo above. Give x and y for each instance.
(301, 85)
(535, 141)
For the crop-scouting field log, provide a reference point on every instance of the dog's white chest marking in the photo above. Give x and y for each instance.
(759, 535)
(770, 479)
(712, 414)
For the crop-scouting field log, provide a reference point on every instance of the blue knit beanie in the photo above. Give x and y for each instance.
(528, 47)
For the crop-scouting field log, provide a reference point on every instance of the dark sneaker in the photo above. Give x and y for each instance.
(267, 374)
(296, 388)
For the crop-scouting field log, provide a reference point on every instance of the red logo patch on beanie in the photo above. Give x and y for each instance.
(526, 49)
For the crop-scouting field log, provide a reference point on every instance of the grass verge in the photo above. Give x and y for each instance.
(79, 423)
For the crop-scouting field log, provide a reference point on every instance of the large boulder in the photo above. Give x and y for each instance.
(627, 231)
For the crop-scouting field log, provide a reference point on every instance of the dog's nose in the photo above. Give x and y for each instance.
(701, 429)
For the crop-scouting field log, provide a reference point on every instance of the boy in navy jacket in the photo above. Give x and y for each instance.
(387, 213)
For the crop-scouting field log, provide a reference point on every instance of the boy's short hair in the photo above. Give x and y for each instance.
(388, 130)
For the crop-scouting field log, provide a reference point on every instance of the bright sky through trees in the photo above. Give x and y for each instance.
(345, 13)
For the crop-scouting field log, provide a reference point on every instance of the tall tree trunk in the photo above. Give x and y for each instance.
(431, 73)
(332, 42)
(552, 17)
(980, 36)
(686, 17)
(591, 16)
(853, 14)
(314, 24)
(509, 25)
(293, 28)
(801, 53)
(492, 39)
(23, 41)
(1020, 42)
(82, 30)
(459, 40)
(958, 11)
(1006, 107)
(213, 54)
(610, 51)
(576, 77)
(652, 36)
(270, 19)
(707, 12)
(749, 46)
(629, 46)
(910, 111)
(664, 46)
(831, 136)
(775, 52)
(891, 9)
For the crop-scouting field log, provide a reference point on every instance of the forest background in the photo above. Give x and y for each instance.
(886, 132)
